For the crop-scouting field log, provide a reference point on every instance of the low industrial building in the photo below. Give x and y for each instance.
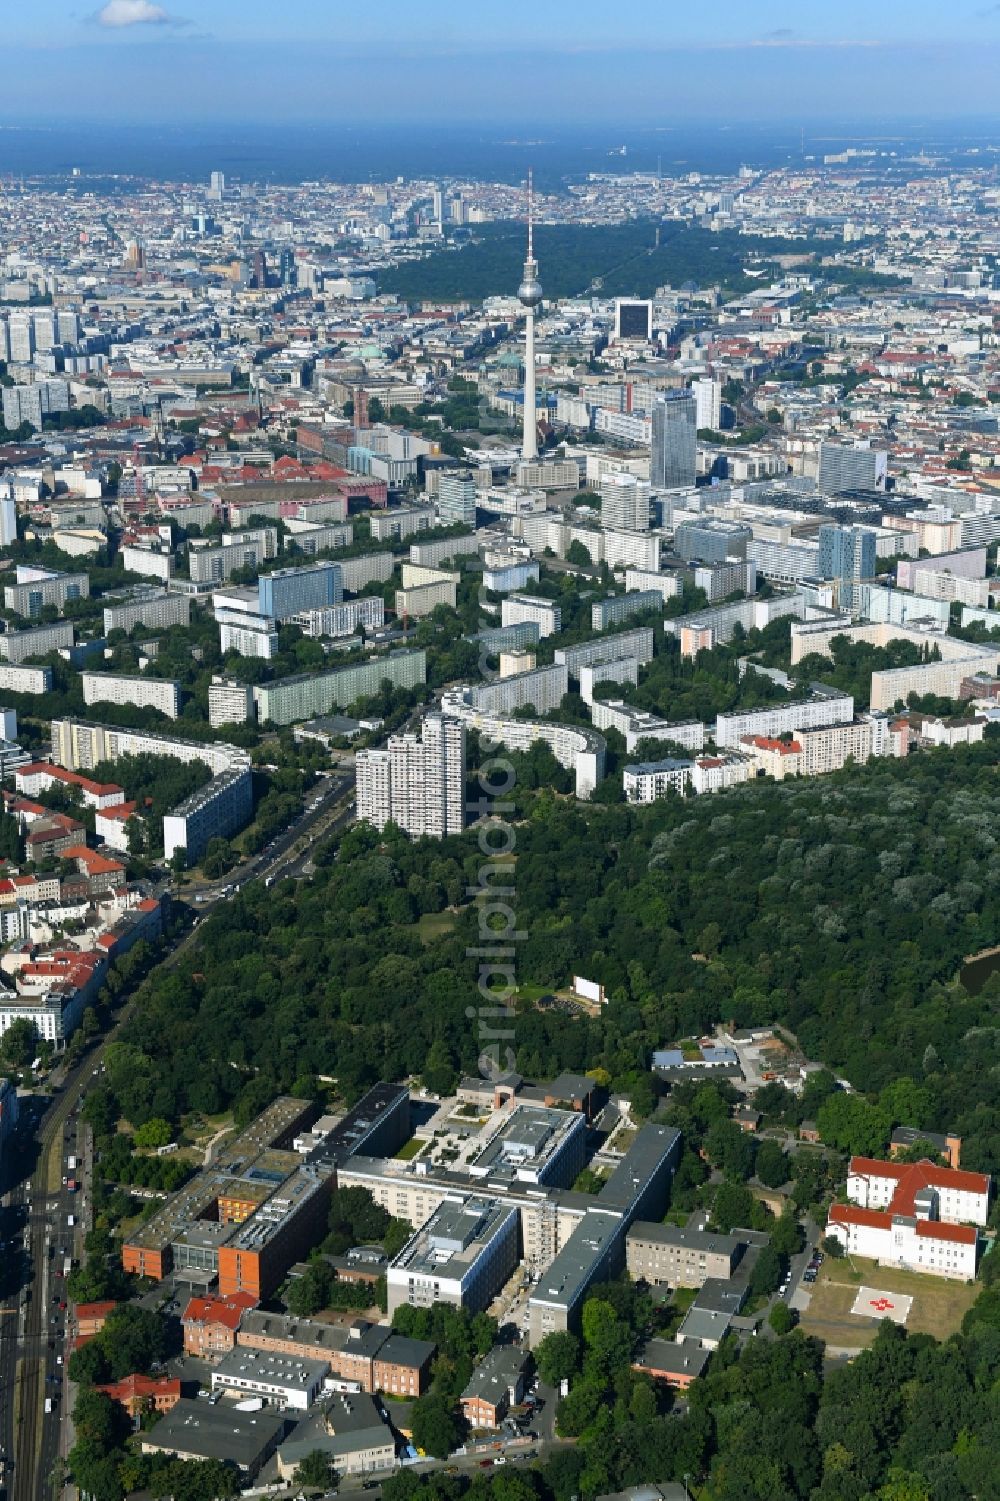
(711, 1314)
(209, 1324)
(674, 1364)
(201, 1430)
(947, 1144)
(537, 1146)
(140, 1394)
(298, 1339)
(258, 1207)
(285, 1380)
(351, 1432)
(495, 1386)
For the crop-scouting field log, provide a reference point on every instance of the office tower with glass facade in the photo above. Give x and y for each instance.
(846, 552)
(456, 498)
(674, 457)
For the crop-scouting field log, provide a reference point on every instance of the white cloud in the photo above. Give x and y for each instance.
(118, 13)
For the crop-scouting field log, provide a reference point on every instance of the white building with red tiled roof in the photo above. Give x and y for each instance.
(110, 825)
(962, 1197)
(918, 1216)
(39, 776)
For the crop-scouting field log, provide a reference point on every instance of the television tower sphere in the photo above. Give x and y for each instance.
(530, 291)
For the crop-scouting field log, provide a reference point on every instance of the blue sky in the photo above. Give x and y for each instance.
(544, 61)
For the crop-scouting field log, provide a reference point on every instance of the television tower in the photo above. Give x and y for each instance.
(530, 295)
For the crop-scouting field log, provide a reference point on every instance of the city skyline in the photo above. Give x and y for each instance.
(857, 61)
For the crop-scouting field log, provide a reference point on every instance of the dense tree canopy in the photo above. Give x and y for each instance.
(859, 895)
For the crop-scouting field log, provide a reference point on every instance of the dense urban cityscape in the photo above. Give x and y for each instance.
(499, 917)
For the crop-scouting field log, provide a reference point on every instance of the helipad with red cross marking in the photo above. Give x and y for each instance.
(872, 1303)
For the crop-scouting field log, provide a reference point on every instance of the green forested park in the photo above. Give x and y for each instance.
(841, 907)
(624, 257)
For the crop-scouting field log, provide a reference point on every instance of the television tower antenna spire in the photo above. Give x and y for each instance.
(530, 295)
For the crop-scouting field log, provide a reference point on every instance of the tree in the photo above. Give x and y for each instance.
(219, 857)
(781, 1318)
(731, 1150)
(11, 847)
(771, 1165)
(786, 1233)
(577, 1411)
(99, 1420)
(849, 1123)
(558, 1357)
(95, 1474)
(133, 1339)
(562, 1473)
(606, 1336)
(439, 1073)
(355, 1215)
(100, 1110)
(20, 1042)
(578, 554)
(766, 1275)
(88, 1364)
(316, 1471)
(831, 1246)
(733, 1207)
(154, 1133)
(903, 1486)
(435, 1426)
(308, 1294)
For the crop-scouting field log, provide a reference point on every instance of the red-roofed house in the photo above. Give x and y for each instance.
(52, 835)
(39, 776)
(91, 1318)
(713, 773)
(23, 810)
(775, 758)
(101, 872)
(110, 825)
(918, 1216)
(139, 1394)
(210, 1323)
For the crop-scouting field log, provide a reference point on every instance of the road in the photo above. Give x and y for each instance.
(37, 1203)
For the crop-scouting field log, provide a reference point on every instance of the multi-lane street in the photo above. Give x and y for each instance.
(37, 1200)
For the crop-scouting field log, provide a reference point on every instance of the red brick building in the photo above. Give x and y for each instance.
(210, 1324)
(91, 1319)
(139, 1394)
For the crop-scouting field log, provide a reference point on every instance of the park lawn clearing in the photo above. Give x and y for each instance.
(434, 925)
(529, 991)
(938, 1304)
(409, 1149)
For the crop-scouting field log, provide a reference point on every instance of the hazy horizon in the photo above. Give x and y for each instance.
(289, 152)
(240, 60)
